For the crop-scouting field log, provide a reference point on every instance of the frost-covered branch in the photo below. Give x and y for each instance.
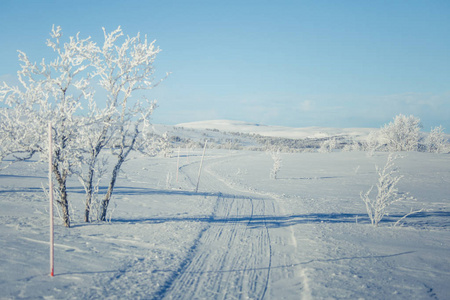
(387, 192)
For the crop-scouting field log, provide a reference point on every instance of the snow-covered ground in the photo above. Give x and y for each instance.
(243, 235)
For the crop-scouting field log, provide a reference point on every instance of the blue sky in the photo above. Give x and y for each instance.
(290, 63)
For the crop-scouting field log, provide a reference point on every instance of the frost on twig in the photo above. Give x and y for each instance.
(407, 215)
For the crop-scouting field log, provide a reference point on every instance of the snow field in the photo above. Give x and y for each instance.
(243, 235)
(341, 255)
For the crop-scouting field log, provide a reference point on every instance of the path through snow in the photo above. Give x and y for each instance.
(234, 256)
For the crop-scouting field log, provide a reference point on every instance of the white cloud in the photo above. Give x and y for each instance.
(306, 105)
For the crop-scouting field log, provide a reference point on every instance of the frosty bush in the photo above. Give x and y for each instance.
(352, 146)
(387, 193)
(328, 145)
(402, 134)
(436, 141)
(276, 157)
(372, 143)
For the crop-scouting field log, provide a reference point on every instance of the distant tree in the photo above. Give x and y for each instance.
(328, 145)
(436, 141)
(372, 143)
(402, 134)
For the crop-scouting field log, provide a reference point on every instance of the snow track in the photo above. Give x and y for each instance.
(233, 257)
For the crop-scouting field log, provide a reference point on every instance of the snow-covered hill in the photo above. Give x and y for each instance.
(277, 131)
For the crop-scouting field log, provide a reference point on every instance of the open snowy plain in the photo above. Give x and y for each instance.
(242, 235)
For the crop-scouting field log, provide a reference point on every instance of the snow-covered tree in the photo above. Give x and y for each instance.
(123, 70)
(51, 92)
(436, 141)
(83, 126)
(371, 142)
(402, 134)
(154, 144)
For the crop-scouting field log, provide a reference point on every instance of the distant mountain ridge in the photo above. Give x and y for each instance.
(277, 131)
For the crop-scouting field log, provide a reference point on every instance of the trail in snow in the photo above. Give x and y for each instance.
(233, 257)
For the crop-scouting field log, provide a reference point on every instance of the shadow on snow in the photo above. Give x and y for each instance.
(130, 191)
(421, 219)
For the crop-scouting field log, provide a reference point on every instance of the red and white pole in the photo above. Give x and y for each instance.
(50, 192)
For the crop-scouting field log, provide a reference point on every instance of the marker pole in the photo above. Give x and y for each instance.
(178, 162)
(50, 192)
(200, 169)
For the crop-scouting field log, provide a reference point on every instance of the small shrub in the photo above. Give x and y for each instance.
(387, 192)
(276, 156)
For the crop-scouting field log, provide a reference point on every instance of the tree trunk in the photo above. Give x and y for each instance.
(123, 154)
(89, 190)
(107, 198)
(65, 205)
(63, 200)
(101, 142)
